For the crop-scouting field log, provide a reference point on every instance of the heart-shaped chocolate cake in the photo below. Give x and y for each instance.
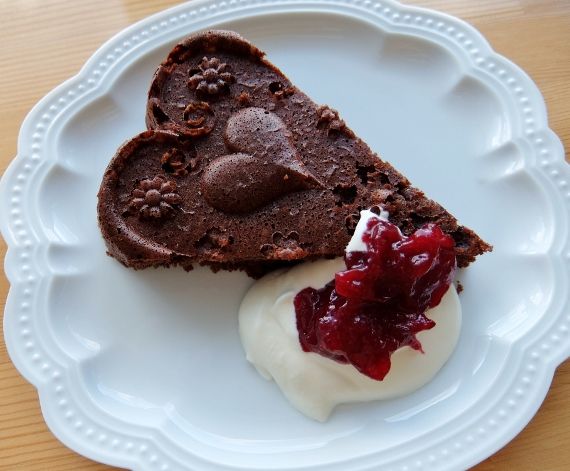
(241, 170)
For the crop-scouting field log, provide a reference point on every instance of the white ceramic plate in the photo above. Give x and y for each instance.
(145, 370)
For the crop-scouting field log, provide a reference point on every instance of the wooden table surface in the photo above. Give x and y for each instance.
(42, 43)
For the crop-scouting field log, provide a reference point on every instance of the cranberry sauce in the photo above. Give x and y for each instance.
(378, 304)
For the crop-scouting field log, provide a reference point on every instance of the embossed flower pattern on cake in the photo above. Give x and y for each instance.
(174, 161)
(155, 198)
(200, 119)
(211, 78)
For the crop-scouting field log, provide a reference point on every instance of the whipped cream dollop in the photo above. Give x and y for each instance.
(313, 384)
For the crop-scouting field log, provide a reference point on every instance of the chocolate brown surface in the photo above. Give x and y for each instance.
(241, 170)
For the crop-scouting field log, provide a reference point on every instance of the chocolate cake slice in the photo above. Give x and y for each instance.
(241, 170)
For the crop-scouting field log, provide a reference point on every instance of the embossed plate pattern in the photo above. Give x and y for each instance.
(144, 369)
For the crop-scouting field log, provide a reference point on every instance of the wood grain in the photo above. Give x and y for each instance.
(45, 42)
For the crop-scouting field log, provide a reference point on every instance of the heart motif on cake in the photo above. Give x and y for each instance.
(263, 167)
